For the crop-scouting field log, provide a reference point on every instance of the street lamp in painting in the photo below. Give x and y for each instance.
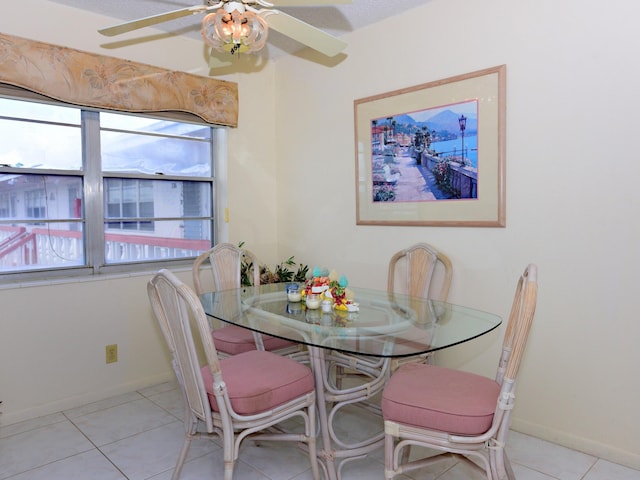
(418, 144)
(463, 126)
(389, 140)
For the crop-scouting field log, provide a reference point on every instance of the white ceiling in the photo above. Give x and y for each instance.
(334, 19)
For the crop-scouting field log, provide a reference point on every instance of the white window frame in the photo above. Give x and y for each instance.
(94, 233)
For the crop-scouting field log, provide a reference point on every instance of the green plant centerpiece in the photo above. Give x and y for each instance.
(286, 271)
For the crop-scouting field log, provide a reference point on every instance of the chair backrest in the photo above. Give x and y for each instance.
(422, 261)
(225, 260)
(519, 325)
(175, 305)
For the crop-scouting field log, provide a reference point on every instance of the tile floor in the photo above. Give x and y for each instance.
(137, 436)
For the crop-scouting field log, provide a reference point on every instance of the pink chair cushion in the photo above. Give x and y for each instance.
(441, 399)
(232, 340)
(257, 381)
(275, 343)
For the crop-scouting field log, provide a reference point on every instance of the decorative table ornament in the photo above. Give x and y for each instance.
(332, 288)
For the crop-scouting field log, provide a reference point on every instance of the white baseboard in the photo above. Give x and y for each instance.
(79, 400)
(585, 445)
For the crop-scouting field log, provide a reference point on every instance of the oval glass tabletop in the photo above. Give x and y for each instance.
(384, 326)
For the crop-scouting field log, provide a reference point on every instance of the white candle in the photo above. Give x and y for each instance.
(313, 301)
(294, 296)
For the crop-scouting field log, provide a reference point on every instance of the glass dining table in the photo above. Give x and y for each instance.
(351, 354)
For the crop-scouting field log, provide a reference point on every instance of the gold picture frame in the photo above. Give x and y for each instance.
(412, 166)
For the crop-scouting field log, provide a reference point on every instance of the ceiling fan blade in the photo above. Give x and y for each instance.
(307, 3)
(152, 20)
(303, 32)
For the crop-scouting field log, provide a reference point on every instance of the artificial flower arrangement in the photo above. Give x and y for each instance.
(330, 287)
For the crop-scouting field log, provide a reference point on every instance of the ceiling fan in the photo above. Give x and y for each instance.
(238, 26)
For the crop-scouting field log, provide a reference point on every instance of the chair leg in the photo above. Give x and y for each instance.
(500, 465)
(183, 456)
(389, 467)
(229, 454)
(312, 443)
(228, 469)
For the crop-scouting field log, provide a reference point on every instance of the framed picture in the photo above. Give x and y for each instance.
(433, 154)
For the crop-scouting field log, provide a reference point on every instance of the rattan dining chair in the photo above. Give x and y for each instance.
(223, 263)
(411, 272)
(235, 398)
(416, 266)
(424, 272)
(421, 264)
(457, 412)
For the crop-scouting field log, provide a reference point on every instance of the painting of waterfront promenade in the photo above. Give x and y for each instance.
(433, 154)
(426, 155)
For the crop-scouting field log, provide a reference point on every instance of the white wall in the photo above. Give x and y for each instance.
(571, 197)
(52, 346)
(53, 337)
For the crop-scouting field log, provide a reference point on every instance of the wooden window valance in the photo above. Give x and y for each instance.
(100, 81)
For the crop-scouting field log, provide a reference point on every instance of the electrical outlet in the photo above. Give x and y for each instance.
(112, 353)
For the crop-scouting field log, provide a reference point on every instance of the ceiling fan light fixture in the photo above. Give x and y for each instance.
(234, 31)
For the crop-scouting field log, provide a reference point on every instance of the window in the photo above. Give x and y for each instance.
(35, 203)
(7, 205)
(129, 198)
(87, 191)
